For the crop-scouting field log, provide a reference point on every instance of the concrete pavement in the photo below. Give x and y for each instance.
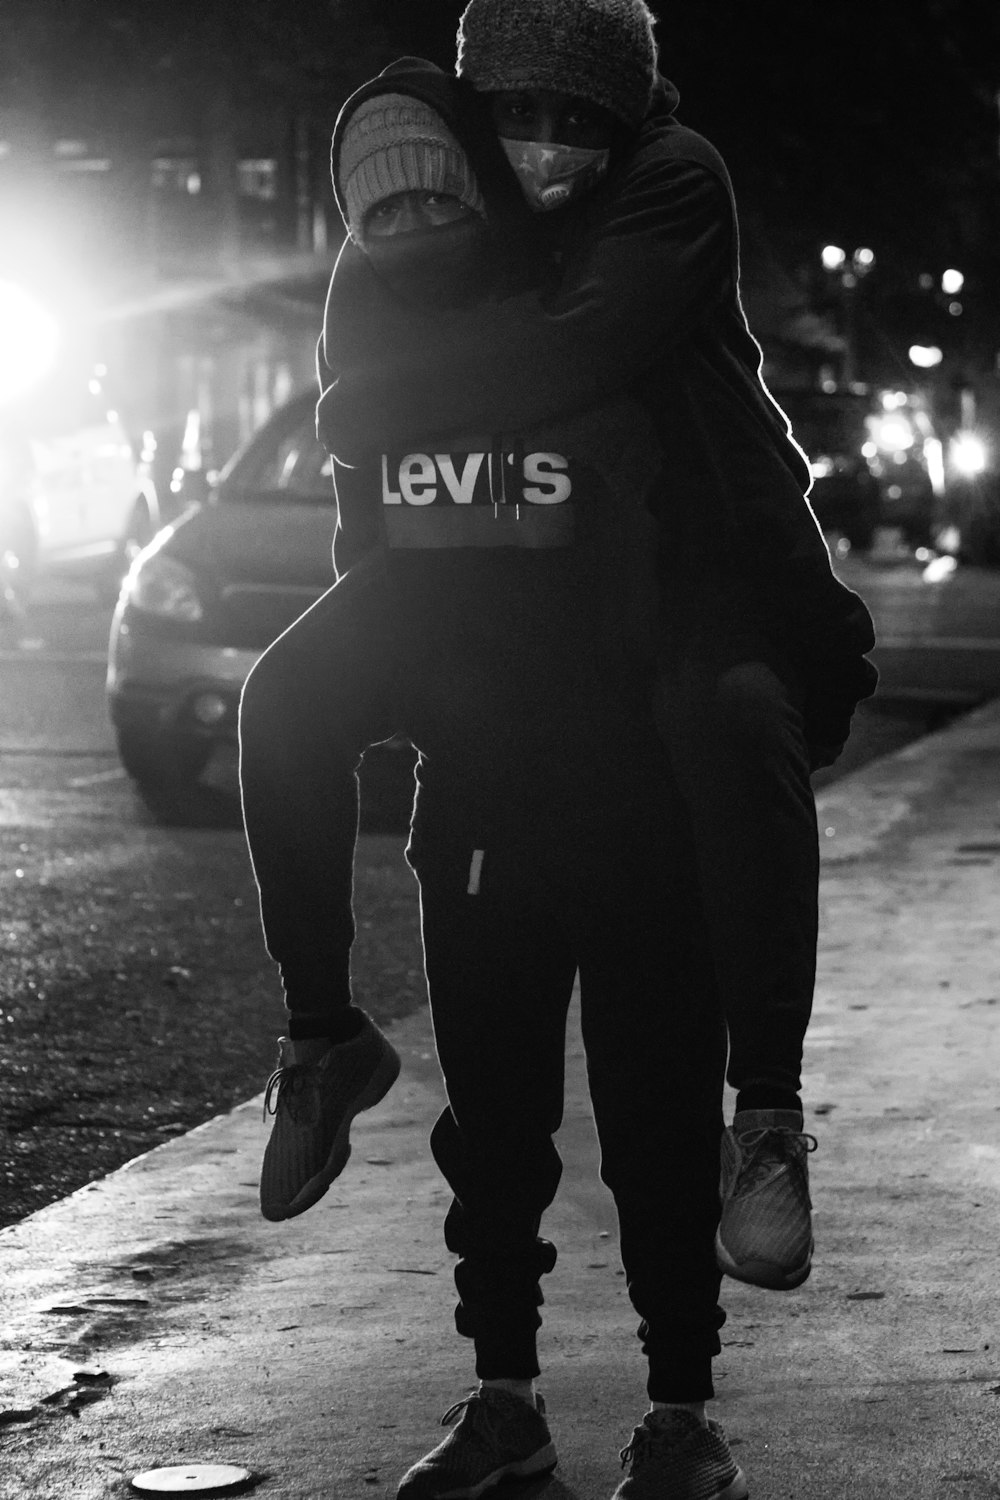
(153, 1318)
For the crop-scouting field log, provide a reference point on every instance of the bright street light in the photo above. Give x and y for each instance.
(833, 257)
(29, 339)
(968, 454)
(925, 356)
(952, 282)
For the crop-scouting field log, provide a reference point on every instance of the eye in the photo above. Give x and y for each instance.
(586, 126)
(517, 115)
(586, 116)
(517, 107)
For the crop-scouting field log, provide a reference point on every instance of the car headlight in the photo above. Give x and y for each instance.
(160, 585)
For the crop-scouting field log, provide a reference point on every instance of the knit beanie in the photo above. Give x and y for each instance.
(600, 50)
(394, 143)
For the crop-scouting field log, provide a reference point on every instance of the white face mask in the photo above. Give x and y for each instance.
(551, 175)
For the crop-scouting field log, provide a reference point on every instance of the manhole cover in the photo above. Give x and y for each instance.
(192, 1479)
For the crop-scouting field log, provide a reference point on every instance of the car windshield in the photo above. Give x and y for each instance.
(284, 462)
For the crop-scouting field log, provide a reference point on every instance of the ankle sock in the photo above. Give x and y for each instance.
(767, 1096)
(696, 1408)
(525, 1389)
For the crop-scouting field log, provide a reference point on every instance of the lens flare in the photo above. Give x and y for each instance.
(29, 341)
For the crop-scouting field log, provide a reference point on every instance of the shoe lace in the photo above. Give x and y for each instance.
(284, 1086)
(637, 1449)
(483, 1430)
(767, 1143)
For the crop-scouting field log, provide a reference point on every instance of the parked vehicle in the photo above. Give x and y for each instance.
(76, 497)
(211, 592)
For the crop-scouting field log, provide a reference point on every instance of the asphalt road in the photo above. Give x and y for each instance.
(136, 999)
(938, 627)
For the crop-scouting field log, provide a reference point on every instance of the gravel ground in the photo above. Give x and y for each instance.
(128, 1016)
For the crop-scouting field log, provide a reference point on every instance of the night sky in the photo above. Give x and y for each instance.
(868, 122)
(884, 111)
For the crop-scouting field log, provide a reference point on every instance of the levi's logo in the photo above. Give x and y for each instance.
(475, 479)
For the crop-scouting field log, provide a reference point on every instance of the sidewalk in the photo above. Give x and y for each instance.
(154, 1318)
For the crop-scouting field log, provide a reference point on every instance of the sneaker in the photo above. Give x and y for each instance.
(674, 1457)
(313, 1103)
(498, 1437)
(765, 1234)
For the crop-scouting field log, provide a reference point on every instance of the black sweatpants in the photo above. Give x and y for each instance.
(318, 697)
(735, 737)
(620, 907)
(330, 686)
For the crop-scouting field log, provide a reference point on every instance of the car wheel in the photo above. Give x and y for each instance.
(162, 765)
(139, 530)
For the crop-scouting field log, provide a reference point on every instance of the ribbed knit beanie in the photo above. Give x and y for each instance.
(600, 50)
(394, 143)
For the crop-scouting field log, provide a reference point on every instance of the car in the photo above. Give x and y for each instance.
(830, 428)
(77, 496)
(203, 601)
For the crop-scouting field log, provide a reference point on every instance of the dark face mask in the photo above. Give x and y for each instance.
(444, 267)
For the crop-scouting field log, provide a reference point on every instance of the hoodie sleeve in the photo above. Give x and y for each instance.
(659, 252)
(359, 507)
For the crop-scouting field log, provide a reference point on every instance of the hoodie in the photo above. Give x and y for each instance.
(646, 306)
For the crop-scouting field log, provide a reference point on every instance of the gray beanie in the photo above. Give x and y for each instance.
(600, 50)
(395, 143)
